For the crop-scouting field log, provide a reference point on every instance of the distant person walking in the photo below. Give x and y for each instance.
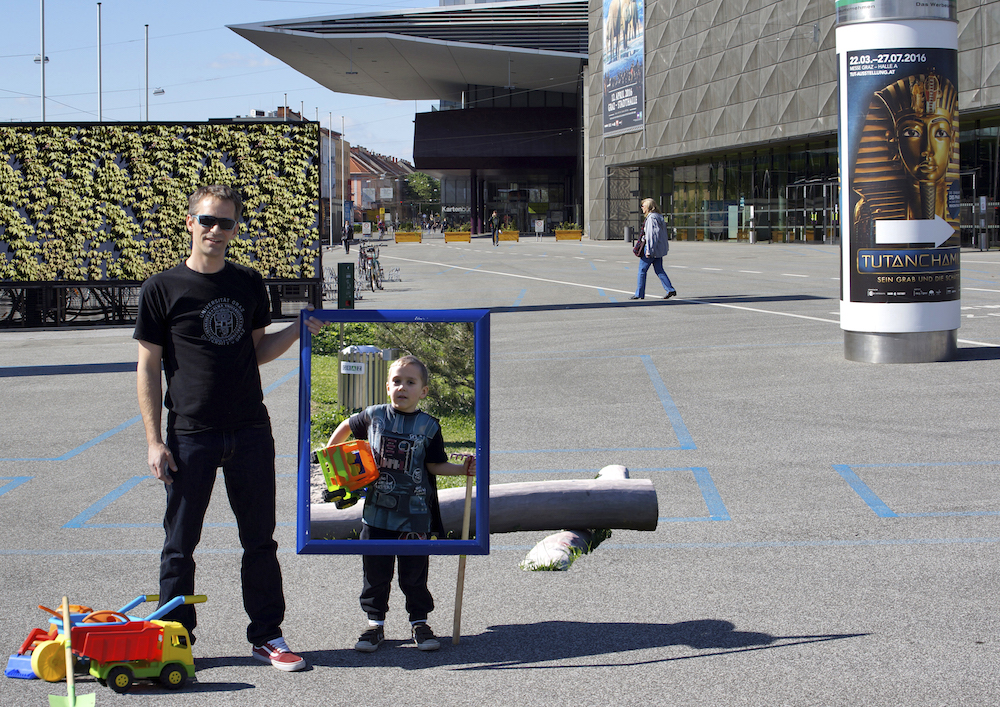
(654, 235)
(348, 232)
(495, 228)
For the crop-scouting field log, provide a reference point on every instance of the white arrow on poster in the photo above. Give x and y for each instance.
(897, 231)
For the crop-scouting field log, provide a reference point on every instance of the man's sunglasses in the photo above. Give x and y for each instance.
(226, 224)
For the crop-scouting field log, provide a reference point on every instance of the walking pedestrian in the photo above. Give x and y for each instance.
(655, 245)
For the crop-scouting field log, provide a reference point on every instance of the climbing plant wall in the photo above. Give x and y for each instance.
(107, 201)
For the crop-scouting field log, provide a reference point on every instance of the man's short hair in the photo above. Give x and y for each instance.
(216, 191)
(409, 360)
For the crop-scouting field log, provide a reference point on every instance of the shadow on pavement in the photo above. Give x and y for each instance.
(653, 300)
(978, 353)
(554, 642)
(66, 369)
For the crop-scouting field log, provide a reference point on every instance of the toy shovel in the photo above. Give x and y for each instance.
(71, 700)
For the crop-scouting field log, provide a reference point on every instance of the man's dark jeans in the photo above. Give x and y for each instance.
(247, 460)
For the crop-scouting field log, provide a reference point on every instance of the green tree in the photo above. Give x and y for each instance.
(448, 351)
(447, 348)
(422, 188)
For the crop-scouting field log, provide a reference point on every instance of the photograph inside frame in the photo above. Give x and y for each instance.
(373, 454)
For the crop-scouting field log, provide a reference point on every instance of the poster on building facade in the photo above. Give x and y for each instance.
(902, 128)
(624, 66)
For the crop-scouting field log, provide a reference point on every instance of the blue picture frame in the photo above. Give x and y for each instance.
(480, 545)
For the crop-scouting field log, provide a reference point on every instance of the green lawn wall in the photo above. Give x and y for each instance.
(106, 202)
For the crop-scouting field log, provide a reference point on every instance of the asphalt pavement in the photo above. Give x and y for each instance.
(828, 530)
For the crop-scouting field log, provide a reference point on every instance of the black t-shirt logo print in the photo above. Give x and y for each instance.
(223, 322)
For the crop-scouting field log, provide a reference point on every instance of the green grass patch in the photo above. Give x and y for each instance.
(459, 432)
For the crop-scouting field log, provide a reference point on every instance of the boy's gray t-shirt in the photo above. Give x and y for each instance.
(404, 498)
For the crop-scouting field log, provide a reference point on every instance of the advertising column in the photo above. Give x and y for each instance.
(899, 179)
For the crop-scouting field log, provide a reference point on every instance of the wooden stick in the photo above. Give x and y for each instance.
(456, 630)
(67, 626)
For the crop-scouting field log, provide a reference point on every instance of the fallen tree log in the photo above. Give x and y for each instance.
(557, 552)
(627, 504)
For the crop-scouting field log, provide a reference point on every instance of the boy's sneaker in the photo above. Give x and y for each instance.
(424, 637)
(277, 653)
(370, 640)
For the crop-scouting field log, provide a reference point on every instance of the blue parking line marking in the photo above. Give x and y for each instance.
(82, 448)
(673, 414)
(281, 381)
(97, 440)
(949, 514)
(82, 520)
(684, 438)
(591, 472)
(877, 505)
(583, 449)
(128, 423)
(606, 546)
(882, 509)
(12, 482)
(791, 544)
(517, 300)
(717, 510)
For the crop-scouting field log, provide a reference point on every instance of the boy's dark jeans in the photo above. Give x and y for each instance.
(247, 460)
(378, 570)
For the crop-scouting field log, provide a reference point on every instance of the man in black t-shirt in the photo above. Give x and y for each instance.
(204, 322)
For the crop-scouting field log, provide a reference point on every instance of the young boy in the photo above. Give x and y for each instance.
(408, 447)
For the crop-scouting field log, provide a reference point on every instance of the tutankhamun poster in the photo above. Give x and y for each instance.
(904, 168)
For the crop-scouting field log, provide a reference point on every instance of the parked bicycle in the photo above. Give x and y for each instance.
(369, 268)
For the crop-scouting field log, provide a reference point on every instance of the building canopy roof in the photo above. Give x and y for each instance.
(435, 53)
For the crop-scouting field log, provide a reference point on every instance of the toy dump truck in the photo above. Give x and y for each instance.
(121, 649)
(347, 468)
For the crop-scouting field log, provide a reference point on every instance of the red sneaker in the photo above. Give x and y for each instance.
(277, 653)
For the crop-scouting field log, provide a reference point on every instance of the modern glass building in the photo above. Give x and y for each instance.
(738, 137)
(724, 111)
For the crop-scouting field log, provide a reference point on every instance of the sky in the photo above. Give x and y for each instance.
(205, 69)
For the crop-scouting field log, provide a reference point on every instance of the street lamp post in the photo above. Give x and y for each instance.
(100, 80)
(329, 175)
(42, 59)
(343, 171)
